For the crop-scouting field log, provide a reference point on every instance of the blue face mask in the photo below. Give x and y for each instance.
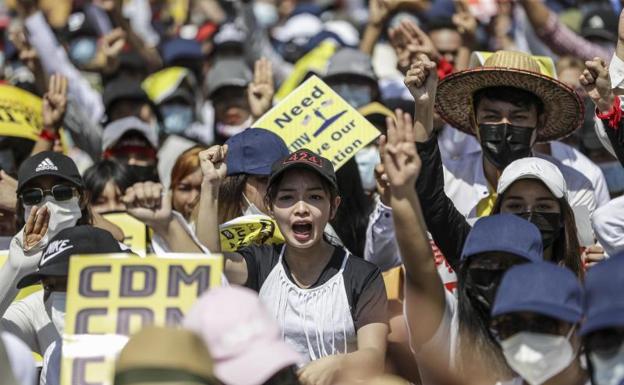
(266, 14)
(366, 159)
(82, 50)
(357, 95)
(176, 118)
(614, 174)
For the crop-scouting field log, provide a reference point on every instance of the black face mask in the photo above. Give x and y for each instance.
(549, 224)
(503, 143)
(143, 173)
(481, 285)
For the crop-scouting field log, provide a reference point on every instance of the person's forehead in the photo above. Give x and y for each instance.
(45, 181)
(528, 188)
(491, 104)
(445, 36)
(300, 177)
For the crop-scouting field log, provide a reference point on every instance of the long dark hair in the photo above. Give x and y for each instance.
(230, 196)
(566, 249)
(476, 345)
(97, 176)
(352, 217)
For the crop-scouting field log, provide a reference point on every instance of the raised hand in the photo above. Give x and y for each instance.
(213, 165)
(409, 41)
(261, 90)
(400, 158)
(146, 202)
(422, 80)
(595, 79)
(36, 227)
(465, 22)
(27, 54)
(378, 12)
(111, 46)
(8, 192)
(55, 102)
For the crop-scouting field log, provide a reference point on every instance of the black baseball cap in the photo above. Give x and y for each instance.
(48, 163)
(123, 88)
(305, 159)
(78, 240)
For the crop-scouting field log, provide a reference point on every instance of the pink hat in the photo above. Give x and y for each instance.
(244, 340)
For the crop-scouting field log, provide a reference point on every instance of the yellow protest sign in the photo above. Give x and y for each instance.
(546, 63)
(247, 230)
(111, 297)
(163, 83)
(135, 231)
(20, 113)
(315, 117)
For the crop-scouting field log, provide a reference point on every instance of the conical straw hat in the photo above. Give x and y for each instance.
(562, 106)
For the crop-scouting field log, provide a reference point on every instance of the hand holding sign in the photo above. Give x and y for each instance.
(260, 92)
(55, 102)
(401, 161)
(145, 201)
(36, 226)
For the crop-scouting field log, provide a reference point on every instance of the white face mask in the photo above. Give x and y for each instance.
(251, 209)
(63, 215)
(608, 371)
(229, 130)
(55, 308)
(366, 159)
(537, 357)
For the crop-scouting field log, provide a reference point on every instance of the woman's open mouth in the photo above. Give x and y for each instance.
(302, 231)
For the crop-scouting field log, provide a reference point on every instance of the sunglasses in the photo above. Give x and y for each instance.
(34, 196)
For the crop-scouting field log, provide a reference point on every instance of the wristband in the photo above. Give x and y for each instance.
(614, 115)
(49, 135)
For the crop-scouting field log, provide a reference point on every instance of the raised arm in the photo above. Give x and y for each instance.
(448, 227)
(213, 168)
(424, 290)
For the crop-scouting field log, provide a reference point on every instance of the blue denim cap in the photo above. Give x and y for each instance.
(543, 288)
(253, 152)
(604, 301)
(504, 233)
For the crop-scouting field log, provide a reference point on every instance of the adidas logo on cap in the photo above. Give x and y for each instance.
(46, 164)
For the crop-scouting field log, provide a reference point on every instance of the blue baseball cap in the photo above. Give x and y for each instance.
(604, 302)
(543, 288)
(254, 151)
(177, 49)
(504, 233)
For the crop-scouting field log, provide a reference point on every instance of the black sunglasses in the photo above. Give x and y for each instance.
(35, 195)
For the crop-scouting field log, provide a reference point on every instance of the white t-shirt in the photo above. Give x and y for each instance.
(27, 319)
(20, 358)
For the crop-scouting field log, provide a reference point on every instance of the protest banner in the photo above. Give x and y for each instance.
(315, 117)
(247, 230)
(111, 297)
(135, 231)
(20, 113)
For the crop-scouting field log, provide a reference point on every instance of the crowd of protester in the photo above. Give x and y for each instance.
(477, 240)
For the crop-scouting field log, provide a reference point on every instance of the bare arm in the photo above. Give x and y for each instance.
(368, 361)
(424, 294)
(537, 12)
(213, 167)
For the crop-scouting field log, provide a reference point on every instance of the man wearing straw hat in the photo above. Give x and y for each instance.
(509, 105)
